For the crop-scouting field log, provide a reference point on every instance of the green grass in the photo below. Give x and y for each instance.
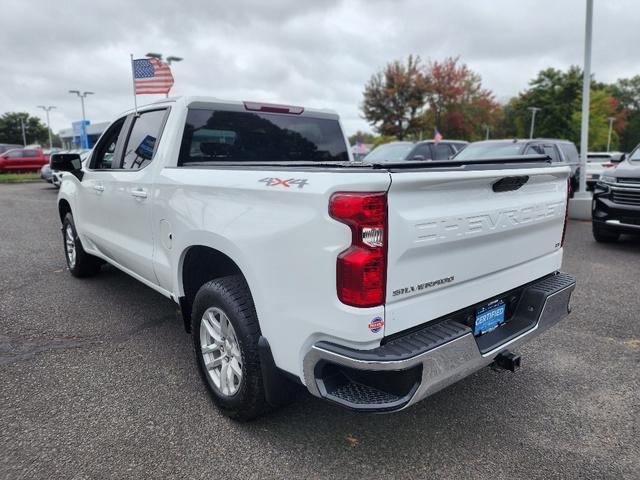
(19, 177)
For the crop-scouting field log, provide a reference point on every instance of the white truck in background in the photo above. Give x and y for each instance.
(373, 285)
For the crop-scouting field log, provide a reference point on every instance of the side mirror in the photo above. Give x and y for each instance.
(619, 159)
(418, 158)
(66, 162)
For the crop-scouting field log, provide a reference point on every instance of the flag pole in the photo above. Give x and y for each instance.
(133, 83)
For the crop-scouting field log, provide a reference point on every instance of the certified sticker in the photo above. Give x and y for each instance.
(376, 325)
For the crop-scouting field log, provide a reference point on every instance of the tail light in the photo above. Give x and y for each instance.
(566, 212)
(362, 268)
(607, 165)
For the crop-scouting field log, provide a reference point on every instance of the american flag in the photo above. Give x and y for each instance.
(361, 148)
(437, 137)
(151, 75)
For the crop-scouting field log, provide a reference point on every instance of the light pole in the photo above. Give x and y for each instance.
(24, 135)
(48, 109)
(533, 111)
(586, 86)
(170, 59)
(611, 120)
(84, 141)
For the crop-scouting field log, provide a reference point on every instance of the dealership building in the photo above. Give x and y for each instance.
(70, 137)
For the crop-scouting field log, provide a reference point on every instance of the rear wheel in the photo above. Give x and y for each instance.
(80, 263)
(225, 334)
(603, 235)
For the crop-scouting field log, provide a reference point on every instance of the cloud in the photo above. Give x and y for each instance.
(316, 54)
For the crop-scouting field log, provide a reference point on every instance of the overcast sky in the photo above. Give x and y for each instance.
(312, 53)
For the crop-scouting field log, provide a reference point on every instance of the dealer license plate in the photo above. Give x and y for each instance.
(489, 317)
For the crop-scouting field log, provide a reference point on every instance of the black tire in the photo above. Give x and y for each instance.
(603, 235)
(232, 296)
(85, 265)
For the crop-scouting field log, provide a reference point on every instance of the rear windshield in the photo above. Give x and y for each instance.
(598, 158)
(481, 151)
(223, 136)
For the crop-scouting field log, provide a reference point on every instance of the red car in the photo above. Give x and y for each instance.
(23, 159)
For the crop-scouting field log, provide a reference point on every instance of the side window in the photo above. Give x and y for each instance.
(442, 151)
(29, 153)
(570, 152)
(143, 140)
(16, 154)
(534, 150)
(106, 148)
(551, 151)
(422, 150)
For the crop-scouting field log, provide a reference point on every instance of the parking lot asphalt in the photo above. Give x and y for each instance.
(98, 380)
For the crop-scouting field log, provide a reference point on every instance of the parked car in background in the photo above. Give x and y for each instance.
(560, 151)
(390, 152)
(616, 200)
(8, 146)
(45, 173)
(30, 158)
(415, 151)
(598, 163)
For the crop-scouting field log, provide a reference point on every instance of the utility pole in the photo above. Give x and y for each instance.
(533, 111)
(84, 140)
(611, 120)
(170, 59)
(48, 109)
(24, 135)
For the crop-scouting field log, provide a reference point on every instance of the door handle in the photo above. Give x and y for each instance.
(98, 188)
(139, 193)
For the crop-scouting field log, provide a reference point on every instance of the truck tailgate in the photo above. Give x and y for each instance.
(457, 238)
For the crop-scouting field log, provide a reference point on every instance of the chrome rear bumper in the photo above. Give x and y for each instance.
(410, 368)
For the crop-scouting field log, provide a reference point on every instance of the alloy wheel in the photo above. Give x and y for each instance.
(221, 351)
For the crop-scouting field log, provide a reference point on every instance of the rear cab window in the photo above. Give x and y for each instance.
(212, 135)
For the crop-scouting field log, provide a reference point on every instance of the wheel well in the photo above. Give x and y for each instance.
(202, 264)
(63, 209)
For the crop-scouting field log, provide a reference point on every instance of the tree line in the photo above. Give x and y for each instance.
(408, 100)
(35, 131)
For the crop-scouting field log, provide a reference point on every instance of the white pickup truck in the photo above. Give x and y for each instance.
(373, 285)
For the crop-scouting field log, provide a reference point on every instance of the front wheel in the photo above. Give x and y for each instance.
(603, 235)
(225, 335)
